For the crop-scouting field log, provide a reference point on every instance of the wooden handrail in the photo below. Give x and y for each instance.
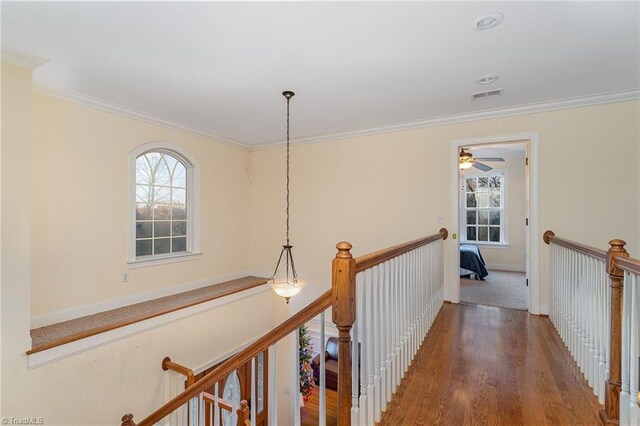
(278, 333)
(341, 297)
(549, 237)
(370, 260)
(628, 264)
(167, 364)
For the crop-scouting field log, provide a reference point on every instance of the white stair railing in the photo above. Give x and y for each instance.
(396, 302)
(629, 411)
(580, 307)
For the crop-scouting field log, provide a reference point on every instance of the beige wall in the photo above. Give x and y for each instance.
(80, 207)
(64, 234)
(379, 190)
(511, 257)
(64, 244)
(16, 241)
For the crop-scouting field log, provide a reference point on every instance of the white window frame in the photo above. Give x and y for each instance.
(504, 223)
(193, 191)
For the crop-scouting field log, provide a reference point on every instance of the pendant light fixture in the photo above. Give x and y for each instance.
(288, 285)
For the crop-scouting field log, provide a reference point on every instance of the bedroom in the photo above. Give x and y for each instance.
(493, 225)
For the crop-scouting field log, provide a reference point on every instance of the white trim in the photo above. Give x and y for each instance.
(23, 59)
(505, 267)
(577, 102)
(484, 244)
(95, 308)
(47, 356)
(90, 101)
(154, 261)
(544, 310)
(193, 200)
(582, 101)
(452, 290)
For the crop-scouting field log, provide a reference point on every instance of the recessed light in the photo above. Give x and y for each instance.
(487, 79)
(488, 21)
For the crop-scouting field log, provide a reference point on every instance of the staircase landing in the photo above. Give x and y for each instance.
(485, 365)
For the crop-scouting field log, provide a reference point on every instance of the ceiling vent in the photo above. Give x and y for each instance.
(487, 94)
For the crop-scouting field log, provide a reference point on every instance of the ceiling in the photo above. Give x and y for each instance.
(514, 150)
(219, 68)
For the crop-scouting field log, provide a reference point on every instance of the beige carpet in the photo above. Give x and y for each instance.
(500, 288)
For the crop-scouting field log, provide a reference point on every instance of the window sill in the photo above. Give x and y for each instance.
(143, 263)
(502, 246)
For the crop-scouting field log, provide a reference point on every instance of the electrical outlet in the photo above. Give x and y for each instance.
(125, 277)
(439, 218)
(287, 391)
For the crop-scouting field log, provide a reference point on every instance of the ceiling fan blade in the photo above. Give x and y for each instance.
(490, 159)
(482, 167)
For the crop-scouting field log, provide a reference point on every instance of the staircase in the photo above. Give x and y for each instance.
(385, 303)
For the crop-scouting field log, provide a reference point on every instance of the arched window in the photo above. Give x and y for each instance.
(164, 204)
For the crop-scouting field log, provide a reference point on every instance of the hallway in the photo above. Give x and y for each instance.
(485, 365)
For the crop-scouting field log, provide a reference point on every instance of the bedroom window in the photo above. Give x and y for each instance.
(483, 204)
(163, 204)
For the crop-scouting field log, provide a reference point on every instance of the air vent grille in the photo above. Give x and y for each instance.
(485, 95)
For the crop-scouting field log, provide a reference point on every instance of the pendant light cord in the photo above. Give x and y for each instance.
(288, 99)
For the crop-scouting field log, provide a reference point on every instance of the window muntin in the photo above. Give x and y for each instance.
(484, 208)
(162, 205)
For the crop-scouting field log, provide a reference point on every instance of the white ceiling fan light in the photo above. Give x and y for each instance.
(488, 21)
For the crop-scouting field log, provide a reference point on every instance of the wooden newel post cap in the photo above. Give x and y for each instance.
(546, 237)
(616, 249)
(444, 233)
(344, 250)
(127, 420)
(617, 246)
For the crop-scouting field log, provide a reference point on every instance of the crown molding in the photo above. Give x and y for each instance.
(583, 101)
(103, 105)
(23, 59)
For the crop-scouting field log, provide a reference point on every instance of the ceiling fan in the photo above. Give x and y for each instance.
(467, 160)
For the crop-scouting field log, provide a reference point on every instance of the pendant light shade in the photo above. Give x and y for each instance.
(286, 285)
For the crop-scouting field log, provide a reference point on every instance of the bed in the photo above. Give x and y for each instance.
(471, 262)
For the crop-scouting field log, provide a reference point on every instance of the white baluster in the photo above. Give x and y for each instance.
(273, 386)
(254, 404)
(295, 378)
(626, 327)
(216, 406)
(631, 281)
(355, 355)
(377, 339)
(370, 350)
(322, 414)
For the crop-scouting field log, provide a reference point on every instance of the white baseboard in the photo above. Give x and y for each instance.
(544, 309)
(505, 267)
(95, 308)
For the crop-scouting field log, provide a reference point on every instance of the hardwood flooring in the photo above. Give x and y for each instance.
(482, 365)
(309, 413)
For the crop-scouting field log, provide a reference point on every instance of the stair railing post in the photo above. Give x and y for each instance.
(611, 412)
(344, 315)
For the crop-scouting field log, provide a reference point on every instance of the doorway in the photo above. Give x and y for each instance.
(494, 216)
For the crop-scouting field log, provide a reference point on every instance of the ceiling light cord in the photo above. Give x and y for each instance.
(288, 99)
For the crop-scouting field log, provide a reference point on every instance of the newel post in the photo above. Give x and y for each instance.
(344, 315)
(611, 412)
(127, 420)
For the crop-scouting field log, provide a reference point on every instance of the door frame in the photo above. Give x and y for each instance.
(532, 231)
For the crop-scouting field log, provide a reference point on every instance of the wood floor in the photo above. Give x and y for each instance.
(483, 365)
(309, 413)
